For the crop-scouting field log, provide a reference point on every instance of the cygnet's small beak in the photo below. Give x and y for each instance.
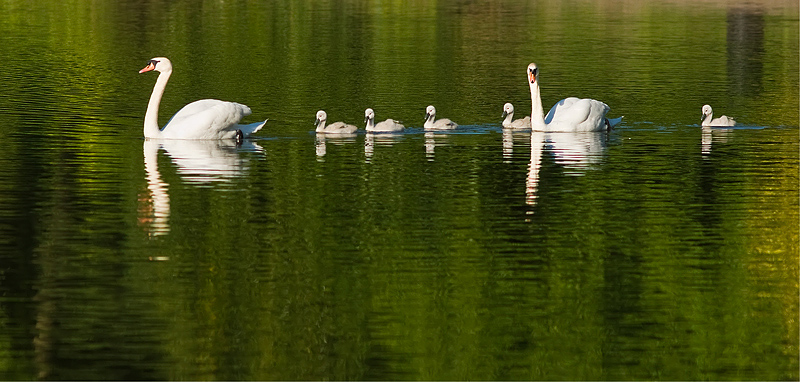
(316, 122)
(505, 114)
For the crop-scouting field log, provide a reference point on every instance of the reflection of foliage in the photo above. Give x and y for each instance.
(401, 268)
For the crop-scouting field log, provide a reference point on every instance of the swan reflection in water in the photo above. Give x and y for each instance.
(322, 140)
(198, 162)
(711, 135)
(575, 152)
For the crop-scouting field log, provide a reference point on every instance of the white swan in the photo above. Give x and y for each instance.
(709, 120)
(333, 128)
(203, 119)
(510, 123)
(387, 126)
(568, 115)
(432, 124)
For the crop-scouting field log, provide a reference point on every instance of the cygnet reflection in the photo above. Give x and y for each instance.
(322, 140)
(372, 140)
(711, 135)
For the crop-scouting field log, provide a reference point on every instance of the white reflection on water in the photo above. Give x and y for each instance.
(575, 152)
(198, 161)
(509, 136)
(154, 208)
(322, 140)
(381, 139)
(432, 140)
(711, 135)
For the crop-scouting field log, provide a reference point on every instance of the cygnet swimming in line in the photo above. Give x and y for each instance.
(510, 123)
(333, 128)
(387, 126)
(432, 124)
(709, 120)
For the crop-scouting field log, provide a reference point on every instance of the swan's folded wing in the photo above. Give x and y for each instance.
(204, 119)
(582, 114)
(562, 110)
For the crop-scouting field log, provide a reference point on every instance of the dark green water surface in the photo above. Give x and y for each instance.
(658, 251)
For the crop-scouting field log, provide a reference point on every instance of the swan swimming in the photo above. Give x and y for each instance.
(203, 119)
(568, 115)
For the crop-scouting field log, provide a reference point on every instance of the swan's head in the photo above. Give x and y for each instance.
(706, 111)
(369, 115)
(322, 116)
(159, 64)
(508, 109)
(430, 112)
(533, 73)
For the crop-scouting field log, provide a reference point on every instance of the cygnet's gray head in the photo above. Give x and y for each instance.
(322, 116)
(508, 109)
(430, 113)
(369, 115)
(706, 111)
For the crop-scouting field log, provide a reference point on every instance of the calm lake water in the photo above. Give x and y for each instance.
(658, 251)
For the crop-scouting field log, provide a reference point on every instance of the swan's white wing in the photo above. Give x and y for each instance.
(561, 110)
(201, 106)
(574, 114)
(206, 119)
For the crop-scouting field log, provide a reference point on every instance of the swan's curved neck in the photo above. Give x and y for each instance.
(321, 126)
(370, 124)
(151, 129)
(537, 113)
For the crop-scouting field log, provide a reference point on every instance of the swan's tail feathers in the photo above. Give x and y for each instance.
(247, 130)
(613, 122)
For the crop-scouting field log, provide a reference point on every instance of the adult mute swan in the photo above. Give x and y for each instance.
(387, 126)
(510, 123)
(568, 115)
(203, 119)
(333, 128)
(432, 124)
(709, 120)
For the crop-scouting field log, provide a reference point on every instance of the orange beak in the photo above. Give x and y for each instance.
(531, 76)
(148, 68)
